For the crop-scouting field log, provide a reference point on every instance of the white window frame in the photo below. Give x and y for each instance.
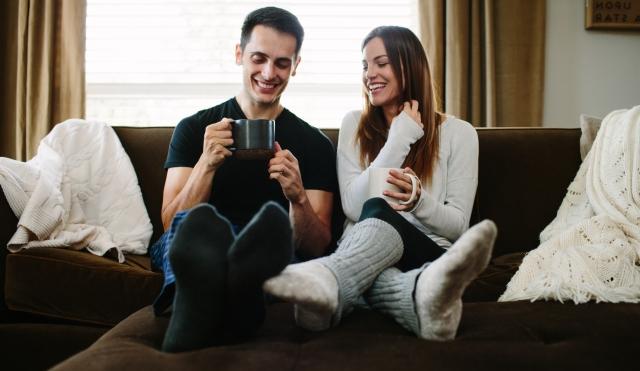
(301, 94)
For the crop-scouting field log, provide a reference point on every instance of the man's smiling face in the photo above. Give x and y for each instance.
(268, 61)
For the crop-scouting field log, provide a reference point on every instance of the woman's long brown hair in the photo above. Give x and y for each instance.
(411, 68)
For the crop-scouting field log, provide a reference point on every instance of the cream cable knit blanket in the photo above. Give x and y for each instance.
(79, 191)
(591, 250)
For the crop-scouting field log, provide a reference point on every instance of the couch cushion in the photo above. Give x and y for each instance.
(493, 336)
(492, 282)
(39, 346)
(79, 286)
(8, 223)
(523, 176)
(147, 148)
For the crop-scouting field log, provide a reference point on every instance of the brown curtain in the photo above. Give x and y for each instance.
(43, 44)
(487, 58)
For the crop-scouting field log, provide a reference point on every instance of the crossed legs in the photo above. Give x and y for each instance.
(426, 300)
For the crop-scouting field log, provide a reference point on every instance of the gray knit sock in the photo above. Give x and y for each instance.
(371, 246)
(392, 294)
(324, 289)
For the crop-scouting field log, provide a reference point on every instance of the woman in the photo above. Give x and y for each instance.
(398, 256)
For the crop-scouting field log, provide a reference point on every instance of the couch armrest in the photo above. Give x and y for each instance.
(8, 222)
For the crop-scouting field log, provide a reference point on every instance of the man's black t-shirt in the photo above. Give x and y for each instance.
(241, 187)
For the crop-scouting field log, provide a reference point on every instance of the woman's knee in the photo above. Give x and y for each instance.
(375, 208)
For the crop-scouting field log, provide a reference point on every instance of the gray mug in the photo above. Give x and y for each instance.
(253, 139)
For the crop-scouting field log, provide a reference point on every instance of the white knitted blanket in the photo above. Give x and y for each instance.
(591, 250)
(79, 191)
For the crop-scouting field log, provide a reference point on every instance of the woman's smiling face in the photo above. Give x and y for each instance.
(380, 82)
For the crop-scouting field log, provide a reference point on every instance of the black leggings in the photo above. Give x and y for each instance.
(418, 248)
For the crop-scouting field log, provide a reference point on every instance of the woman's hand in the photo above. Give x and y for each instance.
(402, 179)
(411, 109)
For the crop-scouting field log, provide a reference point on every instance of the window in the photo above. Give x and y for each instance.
(152, 62)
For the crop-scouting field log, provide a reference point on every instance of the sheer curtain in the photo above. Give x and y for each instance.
(42, 70)
(487, 58)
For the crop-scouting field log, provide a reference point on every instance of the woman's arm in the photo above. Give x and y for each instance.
(352, 178)
(451, 218)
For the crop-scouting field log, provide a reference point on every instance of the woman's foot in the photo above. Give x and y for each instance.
(327, 288)
(314, 290)
(440, 286)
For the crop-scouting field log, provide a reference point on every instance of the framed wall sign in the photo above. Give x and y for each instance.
(612, 14)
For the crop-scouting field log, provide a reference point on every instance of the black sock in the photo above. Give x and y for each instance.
(261, 251)
(198, 258)
(164, 299)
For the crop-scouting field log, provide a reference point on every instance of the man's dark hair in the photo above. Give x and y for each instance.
(273, 17)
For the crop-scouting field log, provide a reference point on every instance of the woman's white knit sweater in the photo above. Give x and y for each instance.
(444, 208)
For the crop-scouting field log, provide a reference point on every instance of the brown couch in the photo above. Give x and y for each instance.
(59, 302)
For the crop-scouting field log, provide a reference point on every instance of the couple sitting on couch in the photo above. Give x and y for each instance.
(396, 256)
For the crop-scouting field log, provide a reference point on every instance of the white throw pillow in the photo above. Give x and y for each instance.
(589, 126)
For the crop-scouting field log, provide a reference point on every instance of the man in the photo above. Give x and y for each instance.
(218, 275)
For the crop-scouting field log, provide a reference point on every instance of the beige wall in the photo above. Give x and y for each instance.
(591, 72)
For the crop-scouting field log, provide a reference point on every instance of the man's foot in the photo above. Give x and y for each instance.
(198, 258)
(440, 286)
(262, 250)
(314, 290)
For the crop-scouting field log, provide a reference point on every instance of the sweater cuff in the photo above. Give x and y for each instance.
(404, 128)
(402, 134)
(425, 207)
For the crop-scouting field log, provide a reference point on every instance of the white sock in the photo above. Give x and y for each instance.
(314, 290)
(440, 286)
(331, 285)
